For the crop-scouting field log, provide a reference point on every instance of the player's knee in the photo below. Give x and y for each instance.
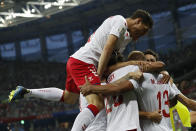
(69, 97)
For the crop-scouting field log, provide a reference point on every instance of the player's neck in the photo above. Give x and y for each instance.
(130, 22)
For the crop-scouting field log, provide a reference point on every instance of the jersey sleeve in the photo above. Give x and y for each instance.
(134, 83)
(176, 89)
(118, 26)
(172, 92)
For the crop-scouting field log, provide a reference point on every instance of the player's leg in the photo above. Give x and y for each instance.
(96, 100)
(69, 96)
(88, 114)
(99, 123)
(51, 94)
(54, 94)
(78, 71)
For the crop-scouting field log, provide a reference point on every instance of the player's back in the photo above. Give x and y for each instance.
(122, 110)
(92, 50)
(152, 96)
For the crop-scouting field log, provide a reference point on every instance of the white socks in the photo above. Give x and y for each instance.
(84, 118)
(51, 94)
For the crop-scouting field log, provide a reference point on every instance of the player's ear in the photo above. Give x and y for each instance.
(138, 20)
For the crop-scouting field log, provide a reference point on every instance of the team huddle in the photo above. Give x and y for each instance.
(116, 93)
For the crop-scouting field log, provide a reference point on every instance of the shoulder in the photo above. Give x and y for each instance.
(129, 68)
(119, 19)
(133, 67)
(148, 75)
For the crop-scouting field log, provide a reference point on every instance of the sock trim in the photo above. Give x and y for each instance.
(62, 97)
(93, 109)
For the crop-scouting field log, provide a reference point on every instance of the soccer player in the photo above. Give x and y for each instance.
(158, 98)
(100, 121)
(120, 102)
(115, 37)
(123, 110)
(153, 57)
(91, 60)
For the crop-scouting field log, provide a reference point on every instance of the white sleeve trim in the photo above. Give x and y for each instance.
(134, 83)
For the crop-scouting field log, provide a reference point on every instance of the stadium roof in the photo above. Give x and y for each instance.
(27, 19)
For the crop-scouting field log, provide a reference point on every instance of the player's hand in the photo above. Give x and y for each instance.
(135, 75)
(150, 66)
(166, 77)
(86, 88)
(156, 116)
(144, 66)
(171, 80)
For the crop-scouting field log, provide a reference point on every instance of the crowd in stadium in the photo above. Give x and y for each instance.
(33, 107)
(17, 126)
(176, 56)
(31, 75)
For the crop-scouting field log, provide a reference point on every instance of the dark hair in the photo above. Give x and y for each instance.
(115, 58)
(146, 17)
(151, 52)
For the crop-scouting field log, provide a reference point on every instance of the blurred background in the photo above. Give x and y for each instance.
(38, 36)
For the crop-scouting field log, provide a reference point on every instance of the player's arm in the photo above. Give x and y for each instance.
(109, 89)
(137, 75)
(193, 117)
(119, 86)
(106, 54)
(191, 104)
(153, 116)
(144, 66)
(151, 66)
